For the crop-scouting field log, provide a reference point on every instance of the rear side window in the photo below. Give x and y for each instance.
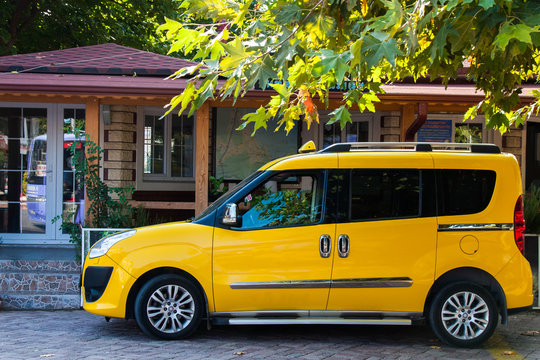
(384, 193)
(462, 192)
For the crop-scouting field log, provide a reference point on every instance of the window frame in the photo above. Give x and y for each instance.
(372, 119)
(163, 181)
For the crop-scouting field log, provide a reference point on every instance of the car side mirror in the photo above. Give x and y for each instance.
(230, 216)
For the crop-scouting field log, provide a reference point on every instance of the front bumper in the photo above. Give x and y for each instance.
(105, 287)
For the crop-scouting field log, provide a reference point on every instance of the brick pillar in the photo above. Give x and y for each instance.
(512, 141)
(119, 143)
(390, 130)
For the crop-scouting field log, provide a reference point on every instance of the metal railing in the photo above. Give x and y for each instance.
(535, 266)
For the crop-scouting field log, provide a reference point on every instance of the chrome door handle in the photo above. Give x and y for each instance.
(343, 246)
(325, 246)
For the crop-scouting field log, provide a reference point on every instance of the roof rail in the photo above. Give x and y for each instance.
(412, 146)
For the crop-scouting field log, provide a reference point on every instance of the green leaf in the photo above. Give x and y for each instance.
(242, 14)
(464, 32)
(287, 50)
(379, 50)
(235, 48)
(486, 4)
(508, 32)
(323, 27)
(288, 13)
(356, 52)
(439, 42)
(332, 61)
(342, 115)
(261, 73)
(281, 90)
(258, 117)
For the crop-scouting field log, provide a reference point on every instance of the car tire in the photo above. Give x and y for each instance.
(463, 314)
(169, 307)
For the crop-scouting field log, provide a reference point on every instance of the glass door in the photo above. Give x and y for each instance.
(24, 170)
(37, 177)
(70, 151)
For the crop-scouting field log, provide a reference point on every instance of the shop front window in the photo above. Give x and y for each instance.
(23, 170)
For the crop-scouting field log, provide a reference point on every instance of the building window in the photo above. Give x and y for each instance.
(154, 135)
(468, 133)
(167, 146)
(361, 129)
(237, 153)
(357, 131)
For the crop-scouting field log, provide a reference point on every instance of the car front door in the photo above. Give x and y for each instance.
(279, 256)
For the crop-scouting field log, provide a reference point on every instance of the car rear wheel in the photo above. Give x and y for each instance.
(169, 307)
(463, 314)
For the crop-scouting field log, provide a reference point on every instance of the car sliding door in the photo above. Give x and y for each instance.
(386, 242)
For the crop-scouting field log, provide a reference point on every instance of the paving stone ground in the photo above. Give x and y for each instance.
(80, 335)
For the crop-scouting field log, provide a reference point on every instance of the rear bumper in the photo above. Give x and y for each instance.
(516, 281)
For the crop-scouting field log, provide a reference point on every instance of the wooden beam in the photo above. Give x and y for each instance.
(92, 133)
(164, 205)
(407, 119)
(202, 140)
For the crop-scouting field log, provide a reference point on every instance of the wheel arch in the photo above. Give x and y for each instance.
(143, 279)
(471, 275)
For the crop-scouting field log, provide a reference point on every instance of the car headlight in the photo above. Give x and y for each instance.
(102, 246)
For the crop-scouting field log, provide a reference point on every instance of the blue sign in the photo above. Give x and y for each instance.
(435, 131)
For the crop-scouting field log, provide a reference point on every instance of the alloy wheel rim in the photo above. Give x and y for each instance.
(465, 315)
(170, 308)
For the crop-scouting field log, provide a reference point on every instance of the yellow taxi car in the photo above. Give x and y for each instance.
(361, 233)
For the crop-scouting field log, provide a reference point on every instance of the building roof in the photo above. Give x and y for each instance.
(111, 69)
(104, 85)
(93, 85)
(104, 59)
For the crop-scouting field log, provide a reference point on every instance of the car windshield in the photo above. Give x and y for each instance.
(223, 198)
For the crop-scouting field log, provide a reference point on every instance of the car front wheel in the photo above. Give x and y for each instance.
(463, 314)
(169, 307)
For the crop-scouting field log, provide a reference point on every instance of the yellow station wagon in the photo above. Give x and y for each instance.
(361, 233)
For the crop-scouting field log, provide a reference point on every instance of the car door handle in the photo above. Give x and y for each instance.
(325, 245)
(343, 246)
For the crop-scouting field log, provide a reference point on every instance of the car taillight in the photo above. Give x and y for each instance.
(519, 224)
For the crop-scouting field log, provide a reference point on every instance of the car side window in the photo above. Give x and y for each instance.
(378, 194)
(285, 199)
(463, 192)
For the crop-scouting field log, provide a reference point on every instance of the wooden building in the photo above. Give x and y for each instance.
(118, 93)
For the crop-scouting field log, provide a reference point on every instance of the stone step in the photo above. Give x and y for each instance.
(43, 283)
(40, 302)
(39, 284)
(56, 266)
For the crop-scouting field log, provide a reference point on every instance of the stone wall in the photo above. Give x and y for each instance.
(119, 143)
(390, 130)
(39, 284)
(512, 141)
